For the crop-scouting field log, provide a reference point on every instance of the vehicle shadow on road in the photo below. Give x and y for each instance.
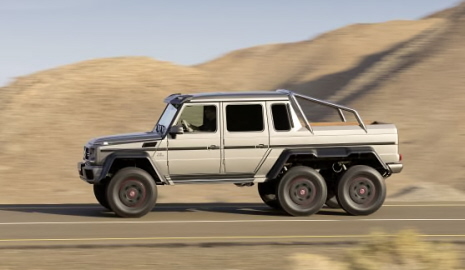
(83, 210)
(97, 211)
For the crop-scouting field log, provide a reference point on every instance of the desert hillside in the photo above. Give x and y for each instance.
(290, 64)
(48, 116)
(405, 72)
(423, 92)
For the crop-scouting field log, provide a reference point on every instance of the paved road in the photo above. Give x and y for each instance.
(40, 225)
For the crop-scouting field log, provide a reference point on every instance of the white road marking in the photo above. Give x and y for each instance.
(220, 221)
(190, 238)
(193, 210)
(181, 206)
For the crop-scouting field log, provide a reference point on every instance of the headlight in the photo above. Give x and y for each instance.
(90, 153)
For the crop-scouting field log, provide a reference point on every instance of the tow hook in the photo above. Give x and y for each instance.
(339, 167)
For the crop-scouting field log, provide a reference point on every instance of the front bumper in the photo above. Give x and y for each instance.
(89, 173)
(395, 167)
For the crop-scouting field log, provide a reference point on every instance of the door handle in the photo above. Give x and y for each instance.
(213, 147)
(260, 146)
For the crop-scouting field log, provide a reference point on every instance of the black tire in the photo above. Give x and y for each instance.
(100, 192)
(361, 190)
(331, 185)
(267, 192)
(132, 192)
(302, 191)
(332, 202)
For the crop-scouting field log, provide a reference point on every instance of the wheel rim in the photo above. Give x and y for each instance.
(362, 190)
(132, 193)
(302, 191)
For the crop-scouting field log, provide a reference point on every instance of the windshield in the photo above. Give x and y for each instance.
(165, 119)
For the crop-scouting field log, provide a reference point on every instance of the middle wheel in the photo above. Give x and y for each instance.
(302, 191)
(331, 185)
(267, 192)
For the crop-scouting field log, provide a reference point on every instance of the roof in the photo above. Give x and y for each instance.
(229, 96)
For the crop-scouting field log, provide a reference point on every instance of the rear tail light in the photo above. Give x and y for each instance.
(400, 157)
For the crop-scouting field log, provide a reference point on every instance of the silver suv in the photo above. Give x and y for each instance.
(269, 138)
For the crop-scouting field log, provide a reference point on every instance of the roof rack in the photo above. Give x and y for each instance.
(339, 108)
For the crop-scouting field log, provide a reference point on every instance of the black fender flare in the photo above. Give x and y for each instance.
(110, 159)
(324, 152)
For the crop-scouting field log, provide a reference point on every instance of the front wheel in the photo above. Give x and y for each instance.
(100, 193)
(132, 192)
(361, 190)
(267, 192)
(302, 191)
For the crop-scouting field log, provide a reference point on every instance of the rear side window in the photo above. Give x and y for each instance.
(281, 117)
(242, 118)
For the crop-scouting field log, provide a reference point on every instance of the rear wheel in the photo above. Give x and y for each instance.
(331, 184)
(132, 192)
(267, 192)
(100, 192)
(361, 190)
(302, 191)
(331, 201)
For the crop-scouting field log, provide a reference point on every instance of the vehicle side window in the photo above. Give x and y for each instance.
(281, 117)
(246, 117)
(198, 118)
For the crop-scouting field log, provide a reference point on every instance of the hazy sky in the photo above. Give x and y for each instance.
(42, 34)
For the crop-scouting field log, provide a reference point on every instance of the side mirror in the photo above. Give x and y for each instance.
(175, 130)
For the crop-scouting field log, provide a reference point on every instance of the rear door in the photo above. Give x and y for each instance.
(246, 138)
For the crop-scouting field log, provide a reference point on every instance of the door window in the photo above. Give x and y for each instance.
(195, 118)
(281, 117)
(243, 118)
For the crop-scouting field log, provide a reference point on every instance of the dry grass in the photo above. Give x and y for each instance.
(305, 261)
(402, 251)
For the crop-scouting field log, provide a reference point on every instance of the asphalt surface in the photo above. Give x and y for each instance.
(184, 224)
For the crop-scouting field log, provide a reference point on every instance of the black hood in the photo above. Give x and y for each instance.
(126, 138)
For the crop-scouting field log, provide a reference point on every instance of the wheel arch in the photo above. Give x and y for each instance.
(118, 160)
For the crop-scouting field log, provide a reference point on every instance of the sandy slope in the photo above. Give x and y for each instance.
(51, 114)
(283, 65)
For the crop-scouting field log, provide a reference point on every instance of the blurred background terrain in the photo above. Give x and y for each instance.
(407, 72)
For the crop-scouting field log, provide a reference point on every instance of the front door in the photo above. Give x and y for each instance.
(246, 138)
(196, 153)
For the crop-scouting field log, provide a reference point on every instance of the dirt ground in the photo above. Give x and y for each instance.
(225, 258)
(257, 257)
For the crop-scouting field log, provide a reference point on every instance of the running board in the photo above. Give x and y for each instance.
(212, 181)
